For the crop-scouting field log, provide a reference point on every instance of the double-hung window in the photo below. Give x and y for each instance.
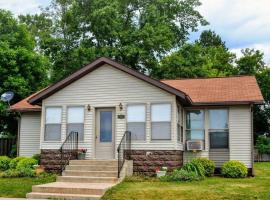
(75, 121)
(53, 116)
(136, 117)
(195, 125)
(161, 121)
(218, 128)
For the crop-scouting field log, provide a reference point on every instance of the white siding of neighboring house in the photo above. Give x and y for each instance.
(29, 134)
(107, 87)
(240, 139)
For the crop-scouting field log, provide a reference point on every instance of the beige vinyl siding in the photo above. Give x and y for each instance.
(29, 134)
(107, 87)
(219, 156)
(240, 134)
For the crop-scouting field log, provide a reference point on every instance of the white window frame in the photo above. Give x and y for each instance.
(67, 120)
(210, 130)
(45, 123)
(201, 129)
(145, 120)
(170, 122)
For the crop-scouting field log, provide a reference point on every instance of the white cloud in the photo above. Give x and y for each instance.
(22, 6)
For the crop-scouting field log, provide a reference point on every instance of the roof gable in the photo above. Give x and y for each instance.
(37, 98)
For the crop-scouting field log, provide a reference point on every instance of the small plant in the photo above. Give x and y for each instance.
(195, 166)
(37, 157)
(27, 163)
(208, 165)
(234, 169)
(183, 175)
(161, 171)
(4, 163)
(13, 163)
(82, 151)
(81, 154)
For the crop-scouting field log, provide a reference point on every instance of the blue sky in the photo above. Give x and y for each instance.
(241, 23)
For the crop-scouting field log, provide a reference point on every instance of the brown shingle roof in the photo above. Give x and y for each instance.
(226, 90)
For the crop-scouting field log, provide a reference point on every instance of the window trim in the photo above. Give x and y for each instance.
(145, 122)
(226, 129)
(160, 103)
(45, 123)
(74, 106)
(204, 115)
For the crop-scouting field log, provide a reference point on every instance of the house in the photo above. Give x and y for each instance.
(171, 121)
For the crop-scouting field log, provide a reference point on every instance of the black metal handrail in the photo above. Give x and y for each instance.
(123, 150)
(69, 149)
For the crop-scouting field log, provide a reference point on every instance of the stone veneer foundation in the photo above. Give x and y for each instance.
(146, 161)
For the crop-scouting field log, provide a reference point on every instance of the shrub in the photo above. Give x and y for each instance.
(27, 163)
(263, 144)
(194, 166)
(27, 172)
(4, 163)
(234, 169)
(183, 175)
(13, 163)
(11, 173)
(208, 165)
(37, 157)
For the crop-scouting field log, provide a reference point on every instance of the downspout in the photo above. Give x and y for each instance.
(19, 134)
(252, 141)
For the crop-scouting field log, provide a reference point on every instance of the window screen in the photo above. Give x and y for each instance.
(195, 125)
(161, 121)
(136, 121)
(75, 121)
(53, 124)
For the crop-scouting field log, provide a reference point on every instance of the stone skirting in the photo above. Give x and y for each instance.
(146, 161)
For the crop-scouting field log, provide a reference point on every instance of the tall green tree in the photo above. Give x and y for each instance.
(22, 70)
(138, 33)
(206, 57)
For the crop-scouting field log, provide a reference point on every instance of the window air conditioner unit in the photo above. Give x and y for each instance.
(194, 145)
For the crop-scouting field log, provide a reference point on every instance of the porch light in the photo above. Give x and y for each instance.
(120, 106)
(88, 108)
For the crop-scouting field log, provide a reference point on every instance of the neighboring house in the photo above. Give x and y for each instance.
(171, 121)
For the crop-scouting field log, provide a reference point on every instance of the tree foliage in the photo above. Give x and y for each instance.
(138, 33)
(22, 70)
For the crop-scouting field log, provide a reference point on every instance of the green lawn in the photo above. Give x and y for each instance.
(18, 187)
(208, 189)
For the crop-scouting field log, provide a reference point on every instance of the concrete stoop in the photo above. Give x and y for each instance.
(82, 179)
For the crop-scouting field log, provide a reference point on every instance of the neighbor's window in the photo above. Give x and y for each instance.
(53, 124)
(218, 128)
(195, 125)
(136, 121)
(161, 121)
(75, 121)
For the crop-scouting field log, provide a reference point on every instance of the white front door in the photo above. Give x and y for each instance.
(105, 133)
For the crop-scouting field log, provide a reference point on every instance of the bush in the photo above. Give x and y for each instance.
(183, 175)
(27, 172)
(194, 166)
(263, 144)
(14, 173)
(4, 163)
(37, 157)
(208, 165)
(27, 163)
(234, 169)
(13, 163)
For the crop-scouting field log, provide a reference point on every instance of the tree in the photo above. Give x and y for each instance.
(22, 70)
(251, 62)
(137, 33)
(207, 57)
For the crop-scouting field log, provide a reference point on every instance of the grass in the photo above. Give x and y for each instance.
(19, 187)
(213, 188)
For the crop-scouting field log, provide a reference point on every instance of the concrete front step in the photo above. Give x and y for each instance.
(73, 188)
(37, 195)
(92, 167)
(94, 162)
(85, 179)
(90, 173)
